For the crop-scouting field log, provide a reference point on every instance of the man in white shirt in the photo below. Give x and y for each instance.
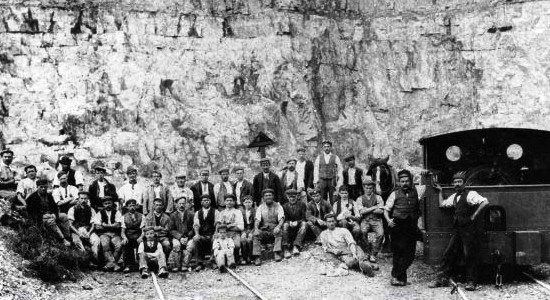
(108, 223)
(75, 178)
(268, 226)
(132, 189)
(352, 178)
(27, 186)
(289, 178)
(179, 190)
(223, 188)
(241, 186)
(327, 173)
(464, 243)
(304, 169)
(157, 190)
(8, 183)
(65, 195)
(204, 225)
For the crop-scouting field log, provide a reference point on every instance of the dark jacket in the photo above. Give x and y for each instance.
(179, 227)
(358, 182)
(165, 195)
(93, 190)
(296, 212)
(308, 174)
(249, 223)
(274, 183)
(312, 213)
(34, 207)
(197, 193)
(150, 221)
(246, 189)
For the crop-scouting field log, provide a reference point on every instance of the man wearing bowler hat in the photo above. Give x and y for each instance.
(327, 173)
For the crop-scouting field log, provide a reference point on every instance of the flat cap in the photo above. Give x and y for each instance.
(130, 201)
(404, 173)
(460, 175)
(131, 169)
(291, 159)
(301, 149)
(229, 196)
(223, 170)
(368, 181)
(349, 158)
(42, 181)
(65, 160)
(326, 142)
(291, 192)
(265, 160)
(4, 151)
(265, 191)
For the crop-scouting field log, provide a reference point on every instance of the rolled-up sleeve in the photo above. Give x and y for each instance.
(449, 202)
(390, 201)
(474, 198)
(280, 213)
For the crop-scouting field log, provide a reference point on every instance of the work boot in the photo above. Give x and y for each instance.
(295, 251)
(223, 269)
(126, 270)
(198, 268)
(366, 268)
(470, 286)
(287, 254)
(184, 269)
(395, 282)
(440, 282)
(144, 274)
(163, 273)
(277, 256)
(117, 268)
(258, 261)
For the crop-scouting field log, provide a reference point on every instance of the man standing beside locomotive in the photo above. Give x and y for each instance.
(404, 207)
(327, 173)
(466, 236)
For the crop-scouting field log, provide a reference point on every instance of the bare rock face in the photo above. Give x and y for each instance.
(189, 83)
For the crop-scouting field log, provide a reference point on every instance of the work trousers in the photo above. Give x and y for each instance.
(224, 257)
(354, 191)
(265, 236)
(202, 248)
(166, 245)
(294, 235)
(376, 226)
(346, 258)
(403, 242)
(92, 240)
(181, 253)
(146, 258)
(246, 244)
(464, 244)
(316, 228)
(111, 244)
(130, 252)
(327, 188)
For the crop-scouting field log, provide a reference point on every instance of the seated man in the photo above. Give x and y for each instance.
(232, 218)
(131, 232)
(26, 186)
(160, 221)
(295, 226)
(65, 195)
(43, 211)
(338, 243)
(181, 230)
(249, 215)
(81, 220)
(316, 211)
(204, 225)
(108, 223)
(223, 248)
(268, 226)
(150, 251)
(347, 215)
(371, 210)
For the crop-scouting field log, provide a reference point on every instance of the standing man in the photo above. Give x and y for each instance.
(131, 233)
(304, 168)
(75, 178)
(266, 180)
(157, 190)
(223, 188)
(108, 224)
(327, 172)
(101, 187)
(201, 188)
(295, 226)
(352, 178)
(180, 190)
(65, 195)
(268, 227)
(371, 210)
(27, 186)
(132, 189)
(8, 185)
(289, 177)
(316, 211)
(242, 187)
(401, 212)
(464, 243)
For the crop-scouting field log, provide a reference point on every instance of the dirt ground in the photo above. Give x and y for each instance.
(296, 278)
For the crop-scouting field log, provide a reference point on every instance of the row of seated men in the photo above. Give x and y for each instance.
(188, 238)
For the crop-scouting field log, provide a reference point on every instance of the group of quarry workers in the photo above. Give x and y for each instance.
(181, 228)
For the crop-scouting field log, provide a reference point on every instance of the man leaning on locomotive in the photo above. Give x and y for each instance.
(178, 229)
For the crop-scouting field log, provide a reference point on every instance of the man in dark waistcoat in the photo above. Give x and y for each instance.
(467, 232)
(327, 173)
(268, 227)
(108, 223)
(352, 178)
(371, 209)
(81, 221)
(204, 225)
(131, 233)
(295, 226)
(404, 208)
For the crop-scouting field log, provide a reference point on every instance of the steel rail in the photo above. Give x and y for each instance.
(541, 283)
(248, 285)
(458, 290)
(160, 295)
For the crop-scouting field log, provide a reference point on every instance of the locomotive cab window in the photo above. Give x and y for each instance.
(491, 156)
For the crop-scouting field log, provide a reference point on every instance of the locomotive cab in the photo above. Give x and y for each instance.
(508, 166)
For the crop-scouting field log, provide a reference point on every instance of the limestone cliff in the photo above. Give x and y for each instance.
(188, 83)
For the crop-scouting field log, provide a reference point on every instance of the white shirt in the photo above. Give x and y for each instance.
(25, 187)
(118, 217)
(204, 188)
(62, 193)
(156, 189)
(228, 187)
(101, 186)
(473, 198)
(178, 192)
(132, 191)
(238, 191)
(141, 249)
(301, 172)
(78, 178)
(70, 215)
(339, 168)
(290, 177)
(391, 200)
(351, 176)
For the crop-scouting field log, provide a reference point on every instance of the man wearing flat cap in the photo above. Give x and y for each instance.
(327, 173)
(295, 226)
(157, 190)
(223, 188)
(464, 243)
(266, 180)
(268, 227)
(180, 190)
(132, 189)
(181, 230)
(74, 178)
(131, 233)
(401, 212)
(101, 187)
(316, 211)
(241, 186)
(371, 211)
(352, 177)
(304, 169)
(27, 185)
(203, 187)
(289, 177)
